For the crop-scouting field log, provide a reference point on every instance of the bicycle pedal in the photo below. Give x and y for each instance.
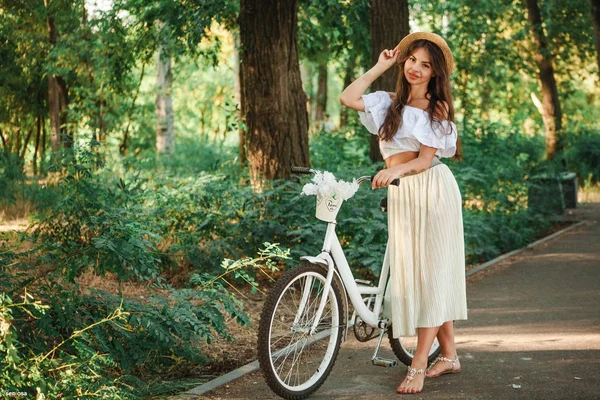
(384, 362)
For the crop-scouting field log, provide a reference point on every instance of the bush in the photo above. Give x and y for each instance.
(61, 342)
(582, 154)
(93, 225)
(172, 225)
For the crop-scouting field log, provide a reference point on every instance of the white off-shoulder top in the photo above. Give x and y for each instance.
(416, 128)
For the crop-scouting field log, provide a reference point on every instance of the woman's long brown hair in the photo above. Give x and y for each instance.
(438, 91)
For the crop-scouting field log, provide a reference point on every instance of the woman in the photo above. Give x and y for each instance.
(415, 127)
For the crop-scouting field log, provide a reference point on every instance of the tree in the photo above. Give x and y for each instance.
(58, 92)
(389, 24)
(331, 32)
(550, 105)
(595, 8)
(356, 46)
(165, 131)
(36, 74)
(273, 102)
(53, 90)
(168, 30)
(237, 89)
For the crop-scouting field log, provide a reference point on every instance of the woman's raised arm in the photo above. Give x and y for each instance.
(352, 96)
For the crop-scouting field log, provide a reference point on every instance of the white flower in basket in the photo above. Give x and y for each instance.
(330, 194)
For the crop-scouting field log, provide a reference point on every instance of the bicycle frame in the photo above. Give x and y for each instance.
(332, 255)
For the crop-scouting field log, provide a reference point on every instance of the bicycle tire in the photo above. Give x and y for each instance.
(405, 351)
(284, 376)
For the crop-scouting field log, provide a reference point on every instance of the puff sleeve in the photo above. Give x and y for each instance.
(376, 106)
(441, 135)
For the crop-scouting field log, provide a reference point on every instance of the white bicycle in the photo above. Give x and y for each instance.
(305, 317)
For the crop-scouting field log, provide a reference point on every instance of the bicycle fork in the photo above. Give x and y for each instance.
(323, 300)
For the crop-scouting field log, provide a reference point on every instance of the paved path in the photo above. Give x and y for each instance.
(533, 333)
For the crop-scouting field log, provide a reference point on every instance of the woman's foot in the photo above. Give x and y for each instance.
(413, 383)
(442, 366)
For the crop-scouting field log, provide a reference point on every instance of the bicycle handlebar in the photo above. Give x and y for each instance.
(306, 170)
(302, 170)
(395, 182)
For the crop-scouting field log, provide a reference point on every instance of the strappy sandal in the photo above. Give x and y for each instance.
(410, 375)
(452, 369)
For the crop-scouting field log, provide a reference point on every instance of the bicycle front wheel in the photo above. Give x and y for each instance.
(294, 361)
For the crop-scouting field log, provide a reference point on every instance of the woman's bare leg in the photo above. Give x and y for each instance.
(446, 338)
(425, 338)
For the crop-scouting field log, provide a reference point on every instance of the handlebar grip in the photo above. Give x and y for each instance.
(395, 182)
(301, 170)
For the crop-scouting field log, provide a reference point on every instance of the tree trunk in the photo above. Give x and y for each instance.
(550, 103)
(307, 85)
(274, 104)
(101, 133)
(53, 89)
(63, 104)
(43, 147)
(56, 94)
(321, 96)
(54, 111)
(124, 142)
(16, 146)
(237, 90)
(4, 144)
(25, 144)
(467, 106)
(389, 24)
(595, 9)
(348, 78)
(165, 133)
(321, 89)
(38, 136)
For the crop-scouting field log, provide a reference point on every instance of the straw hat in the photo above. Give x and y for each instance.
(432, 37)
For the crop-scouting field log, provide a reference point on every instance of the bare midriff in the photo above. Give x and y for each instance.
(400, 158)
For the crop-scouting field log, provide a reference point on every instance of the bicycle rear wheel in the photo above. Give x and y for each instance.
(294, 362)
(404, 348)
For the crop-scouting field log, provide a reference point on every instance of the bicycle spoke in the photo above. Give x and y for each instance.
(287, 353)
(294, 359)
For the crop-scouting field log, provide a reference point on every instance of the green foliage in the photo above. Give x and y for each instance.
(45, 348)
(493, 178)
(10, 171)
(496, 71)
(61, 341)
(329, 29)
(582, 154)
(93, 226)
(186, 225)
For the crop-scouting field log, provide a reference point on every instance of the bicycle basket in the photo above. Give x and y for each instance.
(328, 207)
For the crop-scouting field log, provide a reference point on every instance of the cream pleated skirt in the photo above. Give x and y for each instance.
(426, 251)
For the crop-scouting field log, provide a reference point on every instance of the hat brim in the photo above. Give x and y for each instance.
(432, 37)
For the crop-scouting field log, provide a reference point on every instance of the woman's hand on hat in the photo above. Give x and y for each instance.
(387, 58)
